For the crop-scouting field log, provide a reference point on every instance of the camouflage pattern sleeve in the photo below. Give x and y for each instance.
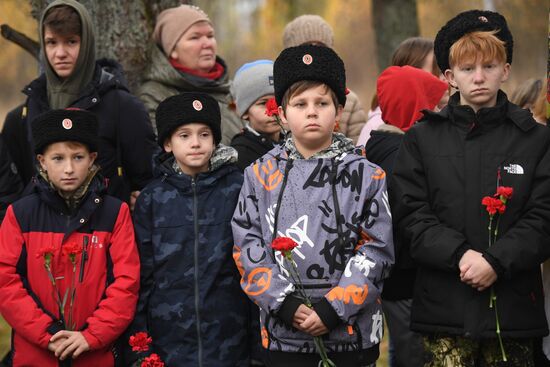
(143, 222)
(261, 278)
(361, 282)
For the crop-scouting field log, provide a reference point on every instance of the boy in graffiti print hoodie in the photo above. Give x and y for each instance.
(320, 191)
(190, 302)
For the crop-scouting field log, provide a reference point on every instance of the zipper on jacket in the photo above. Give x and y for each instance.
(196, 264)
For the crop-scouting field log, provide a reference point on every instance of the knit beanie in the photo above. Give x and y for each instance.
(307, 62)
(423, 91)
(188, 108)
(64, 125)
(306, 29)
(468, 22)
(252, 81)
(172, 23)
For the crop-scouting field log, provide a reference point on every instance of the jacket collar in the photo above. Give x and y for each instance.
(486, 117)
(51, 197)
(222, 163)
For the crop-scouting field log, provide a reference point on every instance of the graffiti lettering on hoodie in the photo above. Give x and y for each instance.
(289, 289)
(361, 263)
(258, 281)
(322, 175)
(245, 222)
(350, 294)
(297, 231)
(377, 327)
(267, 173)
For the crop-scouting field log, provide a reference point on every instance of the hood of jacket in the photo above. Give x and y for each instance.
(63, 92)
(108, 75)
(340, 144)
(404, 91)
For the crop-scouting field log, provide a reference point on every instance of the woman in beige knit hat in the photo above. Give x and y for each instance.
(314, 30)
(184, 59)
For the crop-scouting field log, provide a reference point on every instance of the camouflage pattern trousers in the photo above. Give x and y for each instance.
(456, 351)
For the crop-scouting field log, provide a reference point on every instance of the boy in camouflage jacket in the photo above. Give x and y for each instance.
(190, 301)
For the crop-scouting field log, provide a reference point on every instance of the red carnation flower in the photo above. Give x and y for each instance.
(46, 250)
(152, 361)
(271, 107)
(140, 342)
(72, 249)
(504, 192)
(283, 244)
(493, 205)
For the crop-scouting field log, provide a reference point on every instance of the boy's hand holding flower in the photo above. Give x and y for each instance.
(73, 344)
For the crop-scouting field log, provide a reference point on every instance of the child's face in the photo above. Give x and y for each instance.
(62, 52)
(67, 165)
(192, 146)
(258, 120)
(311, 116)
(478, 81)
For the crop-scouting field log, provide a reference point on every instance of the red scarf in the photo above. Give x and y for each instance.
(215, 73)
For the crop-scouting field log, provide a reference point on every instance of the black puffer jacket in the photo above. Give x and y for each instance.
(10, 184)
(447, 163)
(125, 134)
(381, 149)
(250, 147)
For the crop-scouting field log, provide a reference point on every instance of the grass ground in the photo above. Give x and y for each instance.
(5, 344)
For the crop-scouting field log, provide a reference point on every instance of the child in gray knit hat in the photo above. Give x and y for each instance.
(310, 29)
(252, 88)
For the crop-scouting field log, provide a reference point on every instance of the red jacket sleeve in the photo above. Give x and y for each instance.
(115, 312)
(17, 306)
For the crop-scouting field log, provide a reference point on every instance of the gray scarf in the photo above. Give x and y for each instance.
(340, 144)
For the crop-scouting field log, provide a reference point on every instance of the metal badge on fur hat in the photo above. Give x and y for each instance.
(64, 125)
(468, 22)
(308, 62)
(188, 108)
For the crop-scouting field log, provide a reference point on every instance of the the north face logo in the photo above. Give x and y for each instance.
(514, 169)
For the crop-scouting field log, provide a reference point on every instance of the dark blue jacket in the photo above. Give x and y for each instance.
(190, 302)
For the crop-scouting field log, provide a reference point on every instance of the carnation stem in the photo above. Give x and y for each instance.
(297, 281)
(498, 332)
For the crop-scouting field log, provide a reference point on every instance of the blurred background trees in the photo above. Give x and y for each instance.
(366, 33)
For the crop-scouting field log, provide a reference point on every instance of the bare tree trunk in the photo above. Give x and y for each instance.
(123, 30)
(394, 21)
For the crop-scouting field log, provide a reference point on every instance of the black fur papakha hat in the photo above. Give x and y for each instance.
(309, 62)
(468, 22)
(187, 108)
(72, 124)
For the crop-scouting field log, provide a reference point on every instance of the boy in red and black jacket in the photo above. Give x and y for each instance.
(69, 267)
